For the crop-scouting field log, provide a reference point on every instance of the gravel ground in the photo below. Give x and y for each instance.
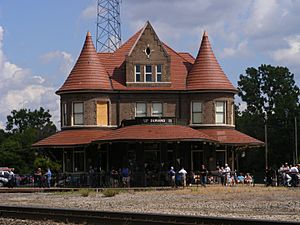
(274, 203)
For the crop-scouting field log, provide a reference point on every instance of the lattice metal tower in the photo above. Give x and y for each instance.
(108, 25)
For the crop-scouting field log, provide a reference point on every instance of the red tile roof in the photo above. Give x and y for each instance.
(68, 138)
(206, 73)
(232, 137)
(156, 132)
(106, 71)
(88, 72)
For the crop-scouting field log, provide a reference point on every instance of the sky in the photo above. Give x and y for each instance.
(41, 40)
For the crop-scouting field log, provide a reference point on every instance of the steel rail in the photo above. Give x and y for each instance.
(112, 218)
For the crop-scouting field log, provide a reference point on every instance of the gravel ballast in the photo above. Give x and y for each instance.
(271, 203)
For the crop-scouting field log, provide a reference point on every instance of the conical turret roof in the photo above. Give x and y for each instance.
(206, 73)
(88, 72)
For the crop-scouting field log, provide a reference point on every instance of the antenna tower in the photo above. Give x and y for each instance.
(108, 25)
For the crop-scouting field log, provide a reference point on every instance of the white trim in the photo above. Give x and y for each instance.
(165, 82)
(72, 122)
(135, 108)
(211, 125)
(136, 73)
(162, 108)
(156, 73)
(191, 110)
(224, 112)
(145, 73)
(64, 114)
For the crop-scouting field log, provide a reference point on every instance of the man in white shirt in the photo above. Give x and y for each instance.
(227, 171)
(294, 171)
(183, 173)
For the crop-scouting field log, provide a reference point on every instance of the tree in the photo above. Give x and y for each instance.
(24, 127)
(23, 119)
(272, 97)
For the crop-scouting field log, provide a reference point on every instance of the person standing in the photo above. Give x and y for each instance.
(227, 171)
(183, 173)
(269, 176)
(172, 174)
(294, 171)
(11, 178)
(203, 175)
(125, 176)
(38, 178)
(48, 175)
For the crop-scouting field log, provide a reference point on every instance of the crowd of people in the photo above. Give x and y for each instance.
(287, 175)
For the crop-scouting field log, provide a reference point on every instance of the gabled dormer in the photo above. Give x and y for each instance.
(147, 63)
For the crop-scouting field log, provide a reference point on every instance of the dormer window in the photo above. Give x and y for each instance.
(148, 73)
(158, 73)
(137, 73)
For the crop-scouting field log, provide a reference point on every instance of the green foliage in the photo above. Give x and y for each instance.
(272, 98)
(110, 192)
(23, 128)
(84, 192)
(45, 162)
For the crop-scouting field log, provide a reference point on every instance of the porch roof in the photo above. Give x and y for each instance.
(70, 138)
(232, 137)
(156, 133)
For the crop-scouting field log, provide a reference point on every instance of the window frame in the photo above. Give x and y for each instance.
(147, 73)
(136, 106)
(77, 113)
(137, 73)
(64, 121)
(156, 114)
(158, 73)
(196, 112)
(220, 113)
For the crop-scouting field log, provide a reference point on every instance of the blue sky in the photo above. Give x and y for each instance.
(41, 40)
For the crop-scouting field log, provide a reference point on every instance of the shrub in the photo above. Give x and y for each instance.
(110, 192)
(84, 192)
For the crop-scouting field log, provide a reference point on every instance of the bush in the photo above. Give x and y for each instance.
(110, 193)
(84, 192)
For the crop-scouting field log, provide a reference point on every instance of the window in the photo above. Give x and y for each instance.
(158, 73)
(141, 109)
(64, 114)
(148, 73)
(220, 112)
(196, 112)
(78, 113)
(157, 109)
(137, 73)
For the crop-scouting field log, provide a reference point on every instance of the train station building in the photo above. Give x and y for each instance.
(147, 107)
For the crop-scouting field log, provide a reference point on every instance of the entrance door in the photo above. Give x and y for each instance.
(102, 113)
(197, 160)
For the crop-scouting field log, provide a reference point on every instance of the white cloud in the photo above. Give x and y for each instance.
(240, 49)
(291, 54)
(90, 12)
(19, 88)
(65, 60)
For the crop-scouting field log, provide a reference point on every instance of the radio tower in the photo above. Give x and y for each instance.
(108, 25)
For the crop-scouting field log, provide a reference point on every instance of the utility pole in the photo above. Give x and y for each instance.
(296, 142)
(266, 141)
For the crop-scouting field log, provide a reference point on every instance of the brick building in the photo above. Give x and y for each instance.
(147, 107)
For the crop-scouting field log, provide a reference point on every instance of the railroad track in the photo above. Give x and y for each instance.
(125, 218)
